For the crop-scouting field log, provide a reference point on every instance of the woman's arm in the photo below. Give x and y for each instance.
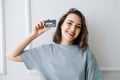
(15, 53)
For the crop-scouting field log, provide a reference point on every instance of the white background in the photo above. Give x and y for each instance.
(103, 22)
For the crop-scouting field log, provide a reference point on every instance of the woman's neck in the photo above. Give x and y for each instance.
(66, 43)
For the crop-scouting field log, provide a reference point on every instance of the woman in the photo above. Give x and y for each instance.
(68, 58)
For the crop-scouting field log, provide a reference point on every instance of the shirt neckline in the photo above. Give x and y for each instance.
(66, 46)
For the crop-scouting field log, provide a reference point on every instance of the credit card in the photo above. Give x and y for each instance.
(50, 23)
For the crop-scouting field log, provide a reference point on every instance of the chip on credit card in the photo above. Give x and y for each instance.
(50, 23)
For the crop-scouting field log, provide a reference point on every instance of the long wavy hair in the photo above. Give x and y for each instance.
(82, 39)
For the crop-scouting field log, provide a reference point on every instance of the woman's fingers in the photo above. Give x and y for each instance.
(40, 28)
(40, 25)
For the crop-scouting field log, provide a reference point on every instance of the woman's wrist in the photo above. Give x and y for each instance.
(32, 36)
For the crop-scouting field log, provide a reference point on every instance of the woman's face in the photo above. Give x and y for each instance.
(70, 28)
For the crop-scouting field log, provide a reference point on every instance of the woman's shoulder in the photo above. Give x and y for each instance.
(88, 52)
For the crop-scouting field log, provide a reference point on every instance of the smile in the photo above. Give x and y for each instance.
(70, 33)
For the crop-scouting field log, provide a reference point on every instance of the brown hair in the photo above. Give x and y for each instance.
(82, 39)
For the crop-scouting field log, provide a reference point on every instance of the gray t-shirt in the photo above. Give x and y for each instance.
(61, 62)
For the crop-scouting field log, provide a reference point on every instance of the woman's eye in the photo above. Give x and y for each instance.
(78, 26)
(69, 23)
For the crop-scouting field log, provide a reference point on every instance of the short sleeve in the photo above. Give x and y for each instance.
(92, 69)
(31, 57)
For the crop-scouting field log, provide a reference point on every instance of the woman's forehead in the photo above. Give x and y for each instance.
(73, 18)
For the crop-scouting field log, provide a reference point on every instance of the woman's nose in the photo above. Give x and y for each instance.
(72, 28)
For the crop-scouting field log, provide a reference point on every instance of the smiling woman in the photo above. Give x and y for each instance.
(2, 39)
(70, 58)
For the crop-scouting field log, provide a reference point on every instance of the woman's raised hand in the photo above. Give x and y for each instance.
(39, 29)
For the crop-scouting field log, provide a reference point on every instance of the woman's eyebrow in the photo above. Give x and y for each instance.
(73, 21)
(70, 21)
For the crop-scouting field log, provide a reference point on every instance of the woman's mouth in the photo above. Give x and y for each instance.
(70, 33)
